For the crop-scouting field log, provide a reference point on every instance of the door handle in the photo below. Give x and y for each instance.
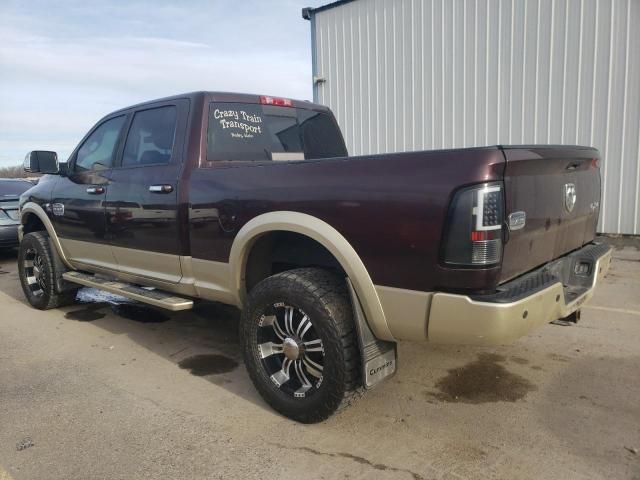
(573, 165)
(95, 190)
(160, 188)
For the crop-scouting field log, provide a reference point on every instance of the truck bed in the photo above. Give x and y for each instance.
(393, 208)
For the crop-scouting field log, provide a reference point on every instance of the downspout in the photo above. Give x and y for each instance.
(307, 14)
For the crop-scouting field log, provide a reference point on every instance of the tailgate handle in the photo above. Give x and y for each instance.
(95, 190)
(573, 165)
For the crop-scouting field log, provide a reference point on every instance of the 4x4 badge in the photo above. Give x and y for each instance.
(569, 196)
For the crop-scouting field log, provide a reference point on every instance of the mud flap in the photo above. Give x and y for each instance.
(379, 358)
(62, 286)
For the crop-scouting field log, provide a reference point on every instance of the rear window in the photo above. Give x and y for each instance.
(250, 132)
(12, 188)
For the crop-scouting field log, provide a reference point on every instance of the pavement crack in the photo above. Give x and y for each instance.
(355, 458)
(179, 351)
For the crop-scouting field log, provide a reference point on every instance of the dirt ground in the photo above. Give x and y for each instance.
(115, 390)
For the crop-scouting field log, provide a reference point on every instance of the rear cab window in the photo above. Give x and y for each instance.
(257, 133)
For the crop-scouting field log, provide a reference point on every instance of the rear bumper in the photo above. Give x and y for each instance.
(8, 236)
(553, 291)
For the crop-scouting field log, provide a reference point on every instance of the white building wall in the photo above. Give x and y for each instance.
(429, 74)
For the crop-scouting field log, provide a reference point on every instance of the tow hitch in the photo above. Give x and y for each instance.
(569, 320)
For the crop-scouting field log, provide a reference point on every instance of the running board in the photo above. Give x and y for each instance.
(157, 298)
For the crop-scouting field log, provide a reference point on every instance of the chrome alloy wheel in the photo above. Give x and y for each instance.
(34, 271)
(290, 350)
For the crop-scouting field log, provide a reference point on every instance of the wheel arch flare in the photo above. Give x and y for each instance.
(325, 235)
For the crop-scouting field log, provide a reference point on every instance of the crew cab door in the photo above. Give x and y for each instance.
(77, 202)
(142, 200)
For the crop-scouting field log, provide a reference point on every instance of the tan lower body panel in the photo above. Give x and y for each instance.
(212, 280)
(205, 280)
(89, 253)
(181, 275)
(457, 319)
(141, 263)
(161, 266)
(406, 311)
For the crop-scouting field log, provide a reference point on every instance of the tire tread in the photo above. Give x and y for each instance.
(53, 298)
(326, 287)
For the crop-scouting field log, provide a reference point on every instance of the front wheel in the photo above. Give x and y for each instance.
(300, 344)
(37, 272)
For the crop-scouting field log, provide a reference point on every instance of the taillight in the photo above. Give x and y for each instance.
(474, 235)
(280, 102)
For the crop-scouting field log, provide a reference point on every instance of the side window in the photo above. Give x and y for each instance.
(320, 135)
(151, 136)
(96, 153)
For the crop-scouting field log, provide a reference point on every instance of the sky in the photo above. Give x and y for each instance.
(65, 64)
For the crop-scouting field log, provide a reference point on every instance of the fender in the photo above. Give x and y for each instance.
(328, 237)
(38, 211)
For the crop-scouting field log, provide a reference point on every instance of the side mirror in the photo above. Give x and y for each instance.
(41, 161)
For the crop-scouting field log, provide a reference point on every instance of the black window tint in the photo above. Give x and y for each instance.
(250, 132)
(320, 135)
(244, 132)
(150, 138)
(96, 153)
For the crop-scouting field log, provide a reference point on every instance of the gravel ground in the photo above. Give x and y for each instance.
(112, 389)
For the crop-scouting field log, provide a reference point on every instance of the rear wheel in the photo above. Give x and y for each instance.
(39, 275)
(300, 344)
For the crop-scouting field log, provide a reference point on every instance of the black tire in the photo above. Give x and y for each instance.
(322, 297)
(39, 275)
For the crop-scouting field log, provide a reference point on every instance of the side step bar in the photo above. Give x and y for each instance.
(157, 298)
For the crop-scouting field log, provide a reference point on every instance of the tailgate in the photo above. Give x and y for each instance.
(558, 189)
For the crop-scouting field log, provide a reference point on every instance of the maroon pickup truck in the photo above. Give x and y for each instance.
(253, 201)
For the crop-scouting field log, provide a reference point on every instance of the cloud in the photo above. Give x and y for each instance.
(85, 61)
